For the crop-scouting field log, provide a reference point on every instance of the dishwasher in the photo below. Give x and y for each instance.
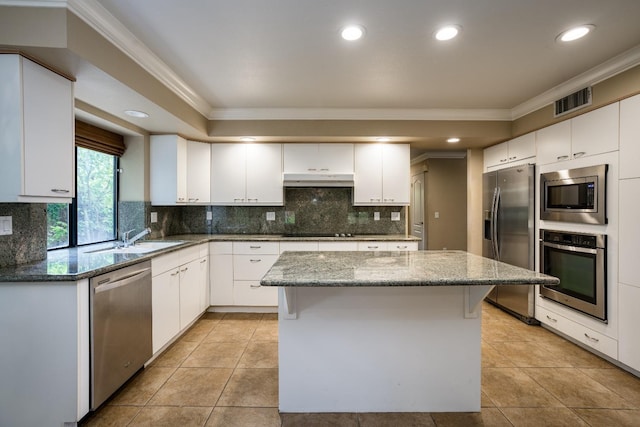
(120, 322)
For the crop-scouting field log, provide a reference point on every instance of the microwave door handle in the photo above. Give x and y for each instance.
(496, 234)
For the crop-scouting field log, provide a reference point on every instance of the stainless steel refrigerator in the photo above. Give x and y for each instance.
(509, 233)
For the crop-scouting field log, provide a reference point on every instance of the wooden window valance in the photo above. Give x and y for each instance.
(95, 138)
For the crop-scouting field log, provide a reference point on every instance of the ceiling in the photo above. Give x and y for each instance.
(284, 59)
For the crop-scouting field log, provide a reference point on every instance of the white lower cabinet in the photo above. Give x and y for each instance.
(221, 273)
(251, 261)
(629, 319)
(587, 336)
(177, 290)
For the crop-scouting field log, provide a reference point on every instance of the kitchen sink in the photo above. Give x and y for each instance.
(138, 248)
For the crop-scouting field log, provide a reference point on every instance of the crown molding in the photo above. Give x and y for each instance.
(96, 16)
(597, 74)
(34, 3)
(358, 114)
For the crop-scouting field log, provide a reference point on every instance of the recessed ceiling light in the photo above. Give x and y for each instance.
(453, 140)
(383, 139)
(575, 33)
(447, 33)
(247, 139)
(352, 32)
(136, 113)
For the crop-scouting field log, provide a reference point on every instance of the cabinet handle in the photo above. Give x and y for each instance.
(181, 199)
(373, 247)
(374, 200)
(592, 339)
(312, 169)
(579, 154)
(255, 260)
(512, 158)
(401, 247)
(193, 200)
(324, 169)
(255, 247)
(389, 200)
(176, 273)
(552, 319)
(184, 269)
(252, 200)
(562, 157)
(59, 190)
(203, 261)
(239, 199)
(254, 286)
(503, 160)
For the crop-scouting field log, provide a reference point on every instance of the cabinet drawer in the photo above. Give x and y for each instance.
(256, 248)
(402, 246)
(338, 246)
(252, 267)
(220, 248)
(251, 293)
(372, 246)
(299, 246)
(166, 262)
(578, 332)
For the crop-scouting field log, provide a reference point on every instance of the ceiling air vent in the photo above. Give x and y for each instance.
(573, 102)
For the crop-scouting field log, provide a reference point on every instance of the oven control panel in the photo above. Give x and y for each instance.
(574, 239)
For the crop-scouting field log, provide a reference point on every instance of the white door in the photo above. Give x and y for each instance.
(198, 172)
(368, 174)
(416, 210)
(264, 174)
(396, 168)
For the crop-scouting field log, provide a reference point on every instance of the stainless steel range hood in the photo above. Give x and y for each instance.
(318, 180)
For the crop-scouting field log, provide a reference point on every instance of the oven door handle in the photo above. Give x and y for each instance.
(569, 248)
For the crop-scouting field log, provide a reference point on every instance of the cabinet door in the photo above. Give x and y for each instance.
(221, 279)
(553, 143)
(496, 155)
(396, 180)
(228, 173)
(522, 147)
(372, 246)
(189, 292)
(165, 308)
(48, 133)
(629, 319)
(629, 206)
(250, 293)
(595, 132)
(264, 174)
(198, 172)
(300, 158)
(630, 137)
(168, 164)
(203, 283)
(367, 188)
(335, 158)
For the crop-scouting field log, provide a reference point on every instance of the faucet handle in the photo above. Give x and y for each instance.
(125, 235)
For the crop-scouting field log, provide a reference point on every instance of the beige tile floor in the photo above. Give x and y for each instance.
(224, 372)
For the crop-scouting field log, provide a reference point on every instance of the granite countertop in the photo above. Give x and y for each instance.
(81, 263)
(421, 268)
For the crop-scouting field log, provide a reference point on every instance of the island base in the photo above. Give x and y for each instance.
(379, 349)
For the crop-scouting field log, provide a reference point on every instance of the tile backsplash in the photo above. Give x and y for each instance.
(306, 211)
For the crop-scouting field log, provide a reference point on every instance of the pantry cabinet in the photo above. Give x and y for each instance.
(180, 171)
(37, 139)
(629, 319)
(246, 174)
(382, 174)
(592, 133)
(630, 137)
(511, 152)
(318, 158)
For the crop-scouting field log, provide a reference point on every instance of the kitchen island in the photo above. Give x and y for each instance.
(384, 331)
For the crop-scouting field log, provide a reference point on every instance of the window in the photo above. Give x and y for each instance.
(92, 217)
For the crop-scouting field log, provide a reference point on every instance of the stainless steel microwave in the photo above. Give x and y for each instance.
(574, 195)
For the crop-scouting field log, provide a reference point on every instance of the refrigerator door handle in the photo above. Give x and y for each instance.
(494, 226)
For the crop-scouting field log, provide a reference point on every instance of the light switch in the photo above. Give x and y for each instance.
(271, 216)
(395, 216)
(376, 216)
(436, 215)
(154, 217)
(6, 225)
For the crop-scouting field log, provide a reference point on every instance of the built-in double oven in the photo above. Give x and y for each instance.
(579, 260)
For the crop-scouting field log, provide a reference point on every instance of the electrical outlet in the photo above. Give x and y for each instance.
(6, 225)
(154, 217)
(376, 216)
(209, 215)
(271, 216)
(395, 216)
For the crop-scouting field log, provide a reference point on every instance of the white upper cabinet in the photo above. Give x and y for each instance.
(168, 165)
(198, 172)
(246, 174)
(511, 152)
(382, 174)
(554, 143)
(37, 133)
(180, 171)
(630, 137)
(595, 132)
(318, 158)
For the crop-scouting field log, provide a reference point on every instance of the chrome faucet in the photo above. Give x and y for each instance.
(130, 241)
